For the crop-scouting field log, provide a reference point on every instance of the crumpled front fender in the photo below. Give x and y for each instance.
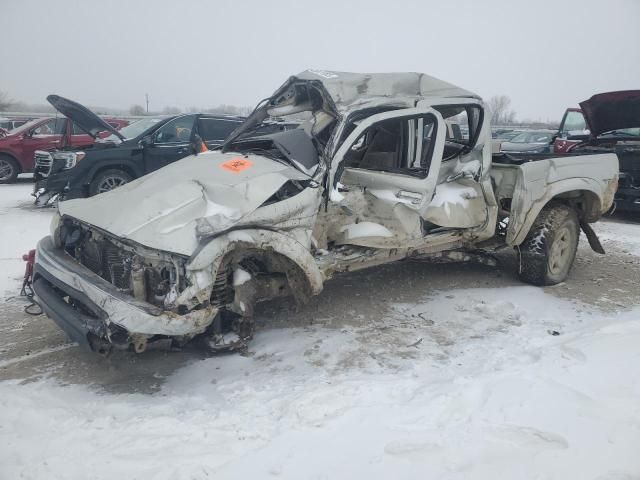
(203, 266)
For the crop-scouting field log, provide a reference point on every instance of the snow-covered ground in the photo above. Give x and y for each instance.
(483, 383)
(21, 226)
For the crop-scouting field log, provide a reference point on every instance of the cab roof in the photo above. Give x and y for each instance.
(346, 88)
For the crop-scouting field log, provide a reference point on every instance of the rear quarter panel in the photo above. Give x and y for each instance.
(594, 176)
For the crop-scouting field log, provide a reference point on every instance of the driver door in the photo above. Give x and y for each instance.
(171, 142)
(385, 177)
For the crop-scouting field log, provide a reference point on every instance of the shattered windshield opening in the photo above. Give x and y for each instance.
(297, 101)
(293, 147)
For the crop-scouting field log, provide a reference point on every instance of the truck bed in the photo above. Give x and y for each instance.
(524, 184)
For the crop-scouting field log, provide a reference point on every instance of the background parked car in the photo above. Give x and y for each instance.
(533, 141)
(11, 123)
(134, 151)
(610, 122)
(18, 146)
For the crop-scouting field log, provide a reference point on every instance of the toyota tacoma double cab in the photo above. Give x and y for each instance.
(370, 177)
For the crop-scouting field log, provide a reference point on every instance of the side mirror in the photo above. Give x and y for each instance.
(146, 141)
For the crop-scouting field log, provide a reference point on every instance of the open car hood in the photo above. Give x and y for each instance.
(172, 208)
(82, 116)
(609, 111)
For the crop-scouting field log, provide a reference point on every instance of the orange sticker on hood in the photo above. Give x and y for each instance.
(236, 165)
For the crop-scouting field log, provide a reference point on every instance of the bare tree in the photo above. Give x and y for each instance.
(501, 114)
(136, 110)
(5, 101)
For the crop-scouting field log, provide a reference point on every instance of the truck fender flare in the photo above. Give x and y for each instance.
(203, 266)
(521, 222)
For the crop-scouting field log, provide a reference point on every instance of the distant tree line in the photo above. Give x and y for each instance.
(138, 110)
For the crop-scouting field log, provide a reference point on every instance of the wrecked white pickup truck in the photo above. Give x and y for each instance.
(374, 175)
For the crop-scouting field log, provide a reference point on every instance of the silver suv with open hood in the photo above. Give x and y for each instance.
(373, 176)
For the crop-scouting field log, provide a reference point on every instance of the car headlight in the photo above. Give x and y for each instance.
(69, 159)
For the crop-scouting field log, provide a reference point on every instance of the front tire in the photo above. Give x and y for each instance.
(548, 252)
(108, 180)
(9, 169)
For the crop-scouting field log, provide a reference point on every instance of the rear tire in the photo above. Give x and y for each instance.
(548, 252)
(9, 169)
(108, 180)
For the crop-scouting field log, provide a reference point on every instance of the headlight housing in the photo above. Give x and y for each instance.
(68, 159)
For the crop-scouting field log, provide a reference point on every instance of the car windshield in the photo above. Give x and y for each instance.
(135, 129)
(574, 122)
(26, 126)
(622, 132)
(532, 137)
(506, 135)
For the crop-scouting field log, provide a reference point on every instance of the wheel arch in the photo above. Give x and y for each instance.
(98, 169)
(11, 156)
(204, 265)
(584, 195)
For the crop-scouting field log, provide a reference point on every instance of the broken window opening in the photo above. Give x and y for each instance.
(463, 127)
(397, 145)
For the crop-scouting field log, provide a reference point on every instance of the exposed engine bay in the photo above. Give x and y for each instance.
(158, 278)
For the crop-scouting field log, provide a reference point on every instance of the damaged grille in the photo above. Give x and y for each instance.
(117, 266)
(123, 268)
(107, 260)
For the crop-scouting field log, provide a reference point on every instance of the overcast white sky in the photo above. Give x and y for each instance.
(546, 55)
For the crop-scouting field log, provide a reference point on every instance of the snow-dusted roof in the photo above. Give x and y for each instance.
(346, 88)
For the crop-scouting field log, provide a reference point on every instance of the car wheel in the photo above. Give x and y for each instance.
(548, 252)
(108, 180)
(9, 169)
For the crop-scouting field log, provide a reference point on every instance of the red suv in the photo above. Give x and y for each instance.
(18, 146)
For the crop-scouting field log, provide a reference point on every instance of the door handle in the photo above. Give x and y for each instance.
(414, 197)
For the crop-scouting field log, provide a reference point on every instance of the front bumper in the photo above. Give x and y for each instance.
(57, 183)
(87, 307)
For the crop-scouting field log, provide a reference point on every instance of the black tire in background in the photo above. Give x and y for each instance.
(9, 169)
(108, 180)
(548, 252)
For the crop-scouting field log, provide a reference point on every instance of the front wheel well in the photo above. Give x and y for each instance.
(261, 264)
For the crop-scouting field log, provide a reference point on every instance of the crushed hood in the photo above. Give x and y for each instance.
(605, 112)
(82, 116)
(172, 208)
